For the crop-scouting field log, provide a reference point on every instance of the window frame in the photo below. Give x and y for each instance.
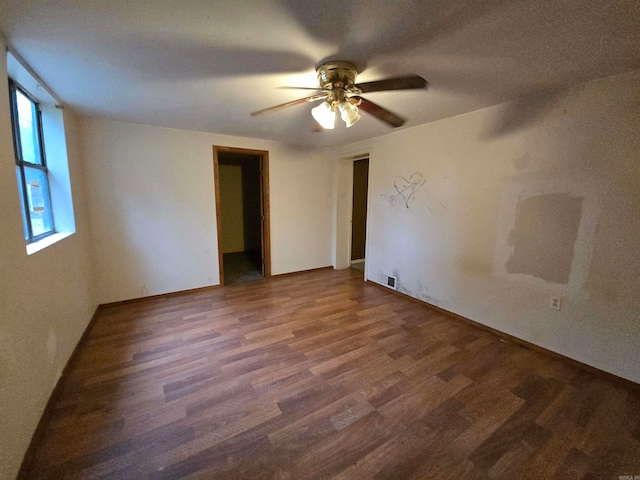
(14, 87)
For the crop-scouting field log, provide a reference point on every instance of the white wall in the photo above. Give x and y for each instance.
(152, 207)
(453, 246)
(45, 300)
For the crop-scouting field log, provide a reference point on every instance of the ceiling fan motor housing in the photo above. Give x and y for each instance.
(337, 75)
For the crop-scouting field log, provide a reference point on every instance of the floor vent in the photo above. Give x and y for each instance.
(389, 281)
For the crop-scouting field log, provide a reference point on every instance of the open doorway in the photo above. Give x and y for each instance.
(359, 213)
(241, 178)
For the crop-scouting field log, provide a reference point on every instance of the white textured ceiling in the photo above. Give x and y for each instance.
(204, 65)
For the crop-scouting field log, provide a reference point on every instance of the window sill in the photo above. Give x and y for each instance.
(46, 242)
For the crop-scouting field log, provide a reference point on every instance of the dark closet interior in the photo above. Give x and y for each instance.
(240, 215)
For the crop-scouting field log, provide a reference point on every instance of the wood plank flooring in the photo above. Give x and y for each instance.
(319, 375)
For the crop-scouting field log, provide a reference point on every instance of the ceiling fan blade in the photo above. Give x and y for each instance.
(380, 113)
(407, 82)
(312, 98)
(317, 89)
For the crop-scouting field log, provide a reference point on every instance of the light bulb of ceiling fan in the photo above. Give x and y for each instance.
(324, 115)
(348, 113)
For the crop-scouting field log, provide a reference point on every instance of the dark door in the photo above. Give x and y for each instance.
(359, 208)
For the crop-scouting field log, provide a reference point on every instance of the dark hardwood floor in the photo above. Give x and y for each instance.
(319, 375)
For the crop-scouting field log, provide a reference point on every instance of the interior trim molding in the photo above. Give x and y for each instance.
(523, 343)
(329, 267)
(194, 290)
(160, 295)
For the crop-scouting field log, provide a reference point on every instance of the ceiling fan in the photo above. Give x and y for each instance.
(342, 95)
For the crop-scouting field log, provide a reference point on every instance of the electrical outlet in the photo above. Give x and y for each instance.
(555, 303)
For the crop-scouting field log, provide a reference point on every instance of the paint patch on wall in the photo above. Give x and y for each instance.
(544, 236)
(557, 228)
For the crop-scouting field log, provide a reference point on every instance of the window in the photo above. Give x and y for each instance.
(42, 161)
(31, 165)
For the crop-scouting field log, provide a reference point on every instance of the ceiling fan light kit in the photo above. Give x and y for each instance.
(325, 115)
(341, 94)
(349, 113)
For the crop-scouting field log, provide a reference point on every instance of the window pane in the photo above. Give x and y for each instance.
(38, 201)
(24, 214)
(28, 125)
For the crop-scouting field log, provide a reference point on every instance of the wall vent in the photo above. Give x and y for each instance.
(389, 281)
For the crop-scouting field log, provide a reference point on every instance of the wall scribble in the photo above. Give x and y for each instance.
(406, 188)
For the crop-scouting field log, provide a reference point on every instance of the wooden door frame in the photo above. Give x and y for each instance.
(343, 185)
(266, 224)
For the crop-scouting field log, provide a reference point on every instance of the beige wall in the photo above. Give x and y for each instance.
(511, 205)
(231, 210)
(152, 205)
(46, 300)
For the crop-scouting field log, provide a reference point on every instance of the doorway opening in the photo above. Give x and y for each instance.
(359, 213)
(242, 211)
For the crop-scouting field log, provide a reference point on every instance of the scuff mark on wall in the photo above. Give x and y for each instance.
(406, 192)
(544, 236)
(423, 294)
(52, 345)
(522, 162)
(406, 188)
(400, 287)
